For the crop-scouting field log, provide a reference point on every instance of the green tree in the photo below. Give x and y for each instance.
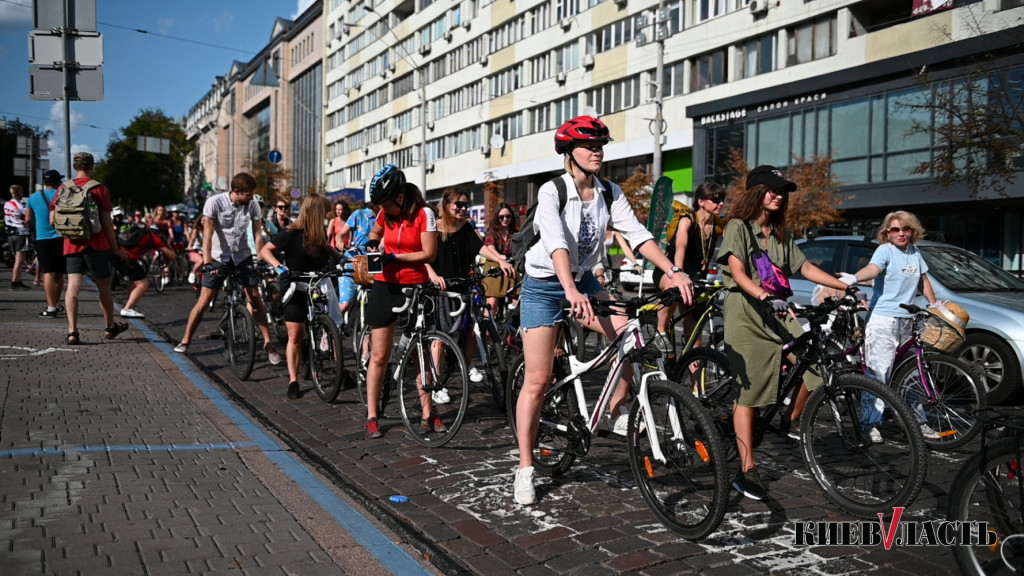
(137, 178)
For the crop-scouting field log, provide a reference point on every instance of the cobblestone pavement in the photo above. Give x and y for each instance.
(118, 457)
(592, 521)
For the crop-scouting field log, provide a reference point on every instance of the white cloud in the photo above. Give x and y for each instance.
(301, 6)
(58, 159)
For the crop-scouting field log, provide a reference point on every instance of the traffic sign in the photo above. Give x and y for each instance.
(48, 84)
(47, 49)
(296, 193)
(49, 14)
(275, 156)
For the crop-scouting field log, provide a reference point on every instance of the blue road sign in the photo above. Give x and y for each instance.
(275, 156)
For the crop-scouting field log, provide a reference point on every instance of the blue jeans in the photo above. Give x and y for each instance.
(541, 302)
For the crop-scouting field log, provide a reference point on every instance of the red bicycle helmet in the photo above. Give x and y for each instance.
(580, 129)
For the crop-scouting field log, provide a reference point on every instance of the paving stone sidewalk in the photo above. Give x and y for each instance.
(113, 461)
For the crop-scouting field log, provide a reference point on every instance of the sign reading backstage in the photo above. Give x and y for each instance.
(738, 113)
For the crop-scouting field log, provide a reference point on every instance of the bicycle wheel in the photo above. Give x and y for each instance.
(270, 292)
(432, 370)
(706, 372)
(326, 362)
(496, 368)
(951, 412)
(362, 356)
(987, 489)
(688, 490)
(241, 342)
(181, 269)
(156, 270)
(860, 477)
(553, 453)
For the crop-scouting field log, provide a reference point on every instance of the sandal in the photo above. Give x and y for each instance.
(72, 338)
(113, 331)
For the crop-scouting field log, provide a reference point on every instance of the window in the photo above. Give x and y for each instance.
(672, 83)
(1008, 4)
(567, 57)
(812, 40)
(757, 56)
(705, 9)
(707, 70)
(615, 96)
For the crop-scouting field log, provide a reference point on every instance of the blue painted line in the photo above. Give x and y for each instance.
(392, 557)
(127, 448)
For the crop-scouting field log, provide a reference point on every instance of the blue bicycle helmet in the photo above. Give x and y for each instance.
(385, 184)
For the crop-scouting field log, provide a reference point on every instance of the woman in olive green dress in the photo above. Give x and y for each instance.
(757, 321)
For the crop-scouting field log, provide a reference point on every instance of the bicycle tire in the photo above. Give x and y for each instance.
(986, 489)
(853, 473)
(952, 414)
(181, 269)
(270, 292)
(445, 383)
(362, 360)
(241, 342)
(553, 452)
(707, 373)
(156, 270)
(689, 491)
(327, 365)
(496, 369)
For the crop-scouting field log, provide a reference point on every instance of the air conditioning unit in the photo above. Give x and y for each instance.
(366, 149)
(430, 166)
(758, 6)
(466, 24)
(621, 3)
(395, 135)
(483, 60)
(391, 67)
(448, 36)
(384, 73)
(560, 77)
(425, 49)
(587, 61)
(430, 125)
(565, 23)
(485, 150)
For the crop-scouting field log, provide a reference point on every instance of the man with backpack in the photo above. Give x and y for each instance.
(81, 214)
(137, 240)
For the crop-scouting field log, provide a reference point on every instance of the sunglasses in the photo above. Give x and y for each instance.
(593, 146)
(504, 216)
(461, 205)
(897, 230)
(281, 207)
(716, 199)
(778, 193)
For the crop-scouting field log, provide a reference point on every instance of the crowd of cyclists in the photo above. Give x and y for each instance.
(563, 272)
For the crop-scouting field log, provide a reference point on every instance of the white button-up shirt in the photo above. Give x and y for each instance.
(230, 241)
(560, 230)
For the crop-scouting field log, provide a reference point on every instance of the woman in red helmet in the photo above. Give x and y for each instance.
(558, 267)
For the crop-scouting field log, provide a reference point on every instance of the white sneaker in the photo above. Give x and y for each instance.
(475, 375)
(131, 313)
(181, 348)
(929, 434)
(874, 435)
(621, 425)
(164, 281)
(440, 396)
(523, 486)
(191, 277)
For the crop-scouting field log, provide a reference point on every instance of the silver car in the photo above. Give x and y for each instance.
(993, 297)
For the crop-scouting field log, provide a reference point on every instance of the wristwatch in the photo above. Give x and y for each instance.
(675, 269)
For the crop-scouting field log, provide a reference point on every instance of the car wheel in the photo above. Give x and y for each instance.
(1001, 373)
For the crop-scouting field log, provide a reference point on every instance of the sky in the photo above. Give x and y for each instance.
(189, 43)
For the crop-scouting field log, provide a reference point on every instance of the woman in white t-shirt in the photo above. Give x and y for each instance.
(900, 272)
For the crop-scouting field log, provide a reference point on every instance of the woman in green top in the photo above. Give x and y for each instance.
(758, 321)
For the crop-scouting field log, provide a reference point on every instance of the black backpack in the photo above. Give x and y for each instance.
(130, 236)
(526, 237)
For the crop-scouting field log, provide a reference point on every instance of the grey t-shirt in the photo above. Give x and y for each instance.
(231, 223)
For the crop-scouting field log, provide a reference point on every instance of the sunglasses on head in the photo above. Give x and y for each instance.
(461, 205)
(897, 229)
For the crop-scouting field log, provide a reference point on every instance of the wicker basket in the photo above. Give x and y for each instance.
(940, 335)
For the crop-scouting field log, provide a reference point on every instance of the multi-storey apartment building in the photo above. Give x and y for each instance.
(470, 91)
(272, 103)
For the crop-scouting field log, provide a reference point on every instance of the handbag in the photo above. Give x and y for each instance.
(361, 272)
(773, 279)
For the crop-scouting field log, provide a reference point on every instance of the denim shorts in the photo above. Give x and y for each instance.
(540, 304)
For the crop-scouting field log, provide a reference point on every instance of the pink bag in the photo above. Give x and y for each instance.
(773, 279)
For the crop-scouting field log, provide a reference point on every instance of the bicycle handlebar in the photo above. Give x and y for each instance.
(410, 295)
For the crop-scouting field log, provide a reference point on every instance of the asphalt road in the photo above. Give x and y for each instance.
(461, 514)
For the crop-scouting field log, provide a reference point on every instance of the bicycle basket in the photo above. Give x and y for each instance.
(939, 335)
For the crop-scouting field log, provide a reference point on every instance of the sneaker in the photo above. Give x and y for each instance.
(164, 281)
(433, 425)
(621, 425)
(794, 431)
(373, 429)
(191, 277)
(272, 356)
(181, 348)
(874, 435)
(293, 391)
(475, 375)
(19, 285)
(749, 484)
(131, 313)
(929, 434)
(523, 486)
(440, 396)
(325, 344)
(49, 313)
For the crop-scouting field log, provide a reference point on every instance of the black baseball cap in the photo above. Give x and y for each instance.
(52, 176)
(771, 177)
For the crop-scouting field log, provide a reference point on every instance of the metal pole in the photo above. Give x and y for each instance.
(66, 37)
(659, 73)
